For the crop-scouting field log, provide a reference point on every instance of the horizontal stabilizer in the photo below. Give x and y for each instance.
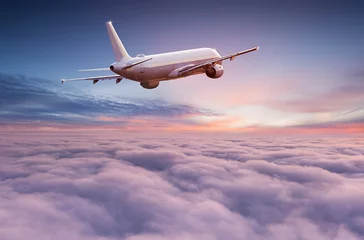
(93, 69)
(136, 63)
(110, 77)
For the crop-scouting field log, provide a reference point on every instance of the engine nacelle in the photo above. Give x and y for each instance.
(149, 85)
(215, 71)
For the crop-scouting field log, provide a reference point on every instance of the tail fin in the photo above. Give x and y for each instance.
(118, 48)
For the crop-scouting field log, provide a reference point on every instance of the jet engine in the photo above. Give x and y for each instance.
(149, 85)
(215, 71)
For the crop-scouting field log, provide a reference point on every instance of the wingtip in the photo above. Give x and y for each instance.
(257, 47)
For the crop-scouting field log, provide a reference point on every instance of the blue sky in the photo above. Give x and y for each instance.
(311, 54)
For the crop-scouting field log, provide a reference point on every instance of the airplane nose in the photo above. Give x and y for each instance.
(111, 67)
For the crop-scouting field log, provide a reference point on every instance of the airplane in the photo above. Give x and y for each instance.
(149, 70)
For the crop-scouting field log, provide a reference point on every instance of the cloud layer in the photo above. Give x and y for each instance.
(128, 186)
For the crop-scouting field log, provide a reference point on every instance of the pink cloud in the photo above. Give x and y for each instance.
(115, 185)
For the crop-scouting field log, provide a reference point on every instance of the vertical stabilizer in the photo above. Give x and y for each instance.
(117, 46)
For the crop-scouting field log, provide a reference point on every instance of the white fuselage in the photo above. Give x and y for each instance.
(164, 66)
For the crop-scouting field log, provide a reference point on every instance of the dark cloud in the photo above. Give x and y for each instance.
(335, 126)
(359, 75)
(347, 97)
(26, 99)
(342, 98)
(103, 186)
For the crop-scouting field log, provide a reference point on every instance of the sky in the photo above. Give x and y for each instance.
(308, 73)
(273, 149)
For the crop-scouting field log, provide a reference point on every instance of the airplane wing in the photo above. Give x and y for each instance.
(212, 62)
(95, 79)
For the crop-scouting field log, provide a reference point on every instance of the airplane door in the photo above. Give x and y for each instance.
(142, 68)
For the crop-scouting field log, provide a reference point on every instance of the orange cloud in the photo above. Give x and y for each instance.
(164, 125)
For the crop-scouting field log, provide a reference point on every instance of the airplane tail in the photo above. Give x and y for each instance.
(118, 48)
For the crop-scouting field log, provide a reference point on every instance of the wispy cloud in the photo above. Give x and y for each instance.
(29, 100)
(337, 99)
(46, 105)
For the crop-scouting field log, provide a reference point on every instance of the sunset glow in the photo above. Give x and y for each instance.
(272, 149)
